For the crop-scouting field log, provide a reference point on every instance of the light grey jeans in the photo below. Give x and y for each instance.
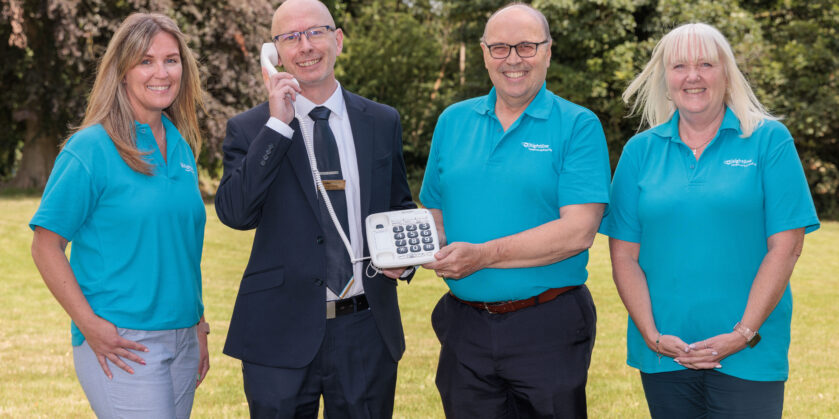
(163, 388)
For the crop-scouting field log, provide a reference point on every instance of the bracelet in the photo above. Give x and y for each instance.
(657, 351)
(751, 336)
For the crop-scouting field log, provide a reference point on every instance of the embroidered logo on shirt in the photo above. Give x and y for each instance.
(739, 163)
(187, 168)
(536, 147)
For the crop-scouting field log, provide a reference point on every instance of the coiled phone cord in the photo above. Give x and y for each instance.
(309, 142)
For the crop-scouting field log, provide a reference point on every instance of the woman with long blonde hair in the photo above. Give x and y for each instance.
(124, 191)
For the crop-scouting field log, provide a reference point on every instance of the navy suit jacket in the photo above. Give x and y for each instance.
(280, 314)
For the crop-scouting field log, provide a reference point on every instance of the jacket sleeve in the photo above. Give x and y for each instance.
(250, 166)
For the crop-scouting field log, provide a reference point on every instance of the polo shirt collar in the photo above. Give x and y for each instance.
(670, 129)
(145, 139)
(171, 131)
(539, 107)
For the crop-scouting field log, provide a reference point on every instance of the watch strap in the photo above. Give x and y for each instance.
(752, 336)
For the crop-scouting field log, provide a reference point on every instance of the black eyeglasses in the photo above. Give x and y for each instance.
(523, 49)
(313, 34)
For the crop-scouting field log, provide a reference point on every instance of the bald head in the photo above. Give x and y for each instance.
(293, 10)
(517, 79)
(501, 14)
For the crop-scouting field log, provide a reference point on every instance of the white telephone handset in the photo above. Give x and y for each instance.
(268, 58)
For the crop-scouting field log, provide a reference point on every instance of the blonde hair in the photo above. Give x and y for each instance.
(688, 43)
(108, 102)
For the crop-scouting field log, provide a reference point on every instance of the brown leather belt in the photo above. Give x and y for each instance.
(510, 306)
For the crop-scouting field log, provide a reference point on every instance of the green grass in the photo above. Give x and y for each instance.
(36, 368)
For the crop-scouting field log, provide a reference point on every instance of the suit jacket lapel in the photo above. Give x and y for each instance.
(300, 163)
(363, 131)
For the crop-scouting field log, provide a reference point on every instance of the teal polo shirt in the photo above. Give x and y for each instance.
(489, 183)
(703, 228)
(137, 239)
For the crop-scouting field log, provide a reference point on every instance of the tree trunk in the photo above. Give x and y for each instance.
(462, 63)
(38, 156)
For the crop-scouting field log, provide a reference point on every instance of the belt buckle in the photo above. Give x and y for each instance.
(330, 310)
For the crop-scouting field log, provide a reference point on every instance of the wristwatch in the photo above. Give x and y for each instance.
(204, 327)
(751, 336)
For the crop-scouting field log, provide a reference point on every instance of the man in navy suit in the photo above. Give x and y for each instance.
(308, 321)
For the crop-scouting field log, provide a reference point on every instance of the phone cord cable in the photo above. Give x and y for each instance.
(308, 141)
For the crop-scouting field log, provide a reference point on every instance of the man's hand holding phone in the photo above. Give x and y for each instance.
(282, 92)
(282, 87)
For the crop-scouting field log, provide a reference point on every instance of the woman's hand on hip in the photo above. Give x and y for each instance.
(708, 353)
(107, 344)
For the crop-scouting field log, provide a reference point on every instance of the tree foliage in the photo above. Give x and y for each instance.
(422, 55)
(376, 64)
(53, 49)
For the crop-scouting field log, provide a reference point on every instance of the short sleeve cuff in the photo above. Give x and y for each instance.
(569, 199)
(810, 224)
(45, 224)
(607, 229)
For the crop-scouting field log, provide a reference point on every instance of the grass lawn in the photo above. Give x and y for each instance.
(36, 367)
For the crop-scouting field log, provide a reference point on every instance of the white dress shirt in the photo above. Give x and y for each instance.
(339, 122)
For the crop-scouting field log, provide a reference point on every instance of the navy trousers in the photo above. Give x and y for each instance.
(710, 394)
(531, 363)
(353, 371)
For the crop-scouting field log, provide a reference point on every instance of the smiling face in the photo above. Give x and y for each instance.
(312, 63)
(153, 84)
(696, 81)
(517, 80)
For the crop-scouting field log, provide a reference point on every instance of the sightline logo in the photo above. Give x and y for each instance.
(739, 162)
(187, 168)
(536, 147)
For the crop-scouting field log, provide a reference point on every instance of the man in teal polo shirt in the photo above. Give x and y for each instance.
(517, 182)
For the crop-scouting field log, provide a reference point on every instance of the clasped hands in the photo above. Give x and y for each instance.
(705, 354)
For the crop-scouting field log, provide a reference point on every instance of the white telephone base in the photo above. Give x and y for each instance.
(401, 238)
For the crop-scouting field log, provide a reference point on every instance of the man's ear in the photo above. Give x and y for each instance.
(487, 57)
(339, 38)
(548, 46)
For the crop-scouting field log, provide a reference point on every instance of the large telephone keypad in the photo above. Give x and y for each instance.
(402, 238)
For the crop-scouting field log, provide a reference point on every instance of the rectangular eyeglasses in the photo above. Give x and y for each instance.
(313, 34)
(523, 49)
